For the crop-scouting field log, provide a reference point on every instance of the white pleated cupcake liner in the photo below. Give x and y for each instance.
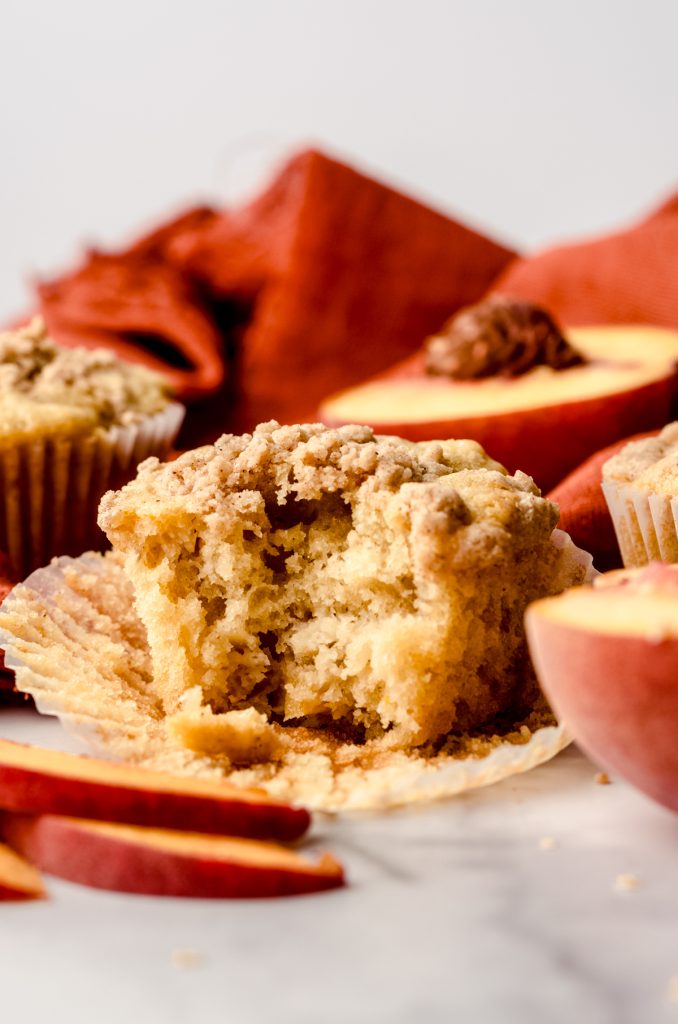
(71, 635)
(50, 489)
(646, 524)
(576, 565)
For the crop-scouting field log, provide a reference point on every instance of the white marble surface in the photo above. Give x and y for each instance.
(454, 912)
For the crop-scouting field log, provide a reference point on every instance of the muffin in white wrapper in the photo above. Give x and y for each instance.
(73, 424)
(640, 485)
(75, 643)
(51, 488)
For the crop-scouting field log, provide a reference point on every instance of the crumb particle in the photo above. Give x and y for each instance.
(547, 843)
(602, 778)
(625, 882)
(186, 959)
(672, 989)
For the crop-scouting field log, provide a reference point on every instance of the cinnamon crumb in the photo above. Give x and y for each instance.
(602, 778)
(672, 989)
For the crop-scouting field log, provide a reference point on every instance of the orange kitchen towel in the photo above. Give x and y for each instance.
(137, 303)
(630, 276)
(326, 277)
(345, 276)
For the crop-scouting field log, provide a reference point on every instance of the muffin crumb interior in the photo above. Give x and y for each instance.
(334, 582)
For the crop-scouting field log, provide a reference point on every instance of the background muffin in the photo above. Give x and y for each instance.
(640, 484)
(73, 423)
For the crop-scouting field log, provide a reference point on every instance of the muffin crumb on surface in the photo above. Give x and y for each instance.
(626, 882)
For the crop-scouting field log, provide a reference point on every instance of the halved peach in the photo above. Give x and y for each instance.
(18, 879)
(38, 781)
(544, 422)
(160, 862)
(607, 658)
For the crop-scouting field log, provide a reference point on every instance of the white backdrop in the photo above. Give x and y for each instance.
(534, 119)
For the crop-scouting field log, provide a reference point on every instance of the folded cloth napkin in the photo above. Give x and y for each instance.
(327, 277)
(139, 304)
(345, 276)
(627, 277)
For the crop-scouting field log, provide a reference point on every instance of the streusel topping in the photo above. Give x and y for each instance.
(45, 386)
(278, 467)
(649, 464)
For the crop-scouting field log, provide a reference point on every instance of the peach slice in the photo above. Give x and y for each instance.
(160, 862)
(544, 422)
(41, 781)
(18, 879)
(607, 659)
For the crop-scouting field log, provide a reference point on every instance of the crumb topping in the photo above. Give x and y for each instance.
(42, 383)
(454, 493)
(649, 464)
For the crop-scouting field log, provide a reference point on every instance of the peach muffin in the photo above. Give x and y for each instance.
(73, 423)
(640, 484)
(330, 580)
(334, 616)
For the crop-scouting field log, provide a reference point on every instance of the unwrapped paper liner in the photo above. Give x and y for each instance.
(50, 488)
(646, 524)
(73, 639)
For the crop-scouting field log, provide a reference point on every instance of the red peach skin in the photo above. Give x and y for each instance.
(158, 862)
(37, 781)
(617, 694)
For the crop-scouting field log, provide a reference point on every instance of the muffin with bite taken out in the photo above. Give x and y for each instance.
(334, 615)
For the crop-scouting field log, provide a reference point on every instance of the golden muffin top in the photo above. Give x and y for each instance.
(648, 464)
(459, 495)
(47, 389)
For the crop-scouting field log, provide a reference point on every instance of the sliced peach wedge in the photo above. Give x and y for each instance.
(544, 421)
(19, 880)
(41, 781)
(160, 862)
(607, 658)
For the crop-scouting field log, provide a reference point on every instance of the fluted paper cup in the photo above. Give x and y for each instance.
(646, 524)
(50, 489)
